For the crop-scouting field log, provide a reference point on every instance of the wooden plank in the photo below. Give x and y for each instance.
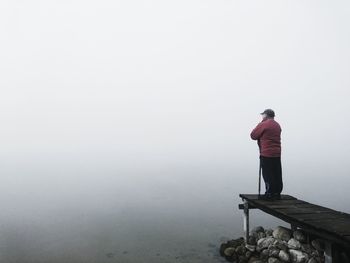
(241, 206)
(296, 211)
(256, 197)
(289, 206)
(319, 218)
(313, 220)
(322, 208)
(278, 202)
(307, 209)
(306, 205)
(312, 214)
(296, 206)
(337, 225)
(324, 222)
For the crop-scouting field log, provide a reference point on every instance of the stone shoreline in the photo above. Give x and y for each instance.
(276, 246)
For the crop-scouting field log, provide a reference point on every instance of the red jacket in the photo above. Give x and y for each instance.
(268, 134)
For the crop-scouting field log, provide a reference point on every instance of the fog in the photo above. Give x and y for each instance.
(125, 124)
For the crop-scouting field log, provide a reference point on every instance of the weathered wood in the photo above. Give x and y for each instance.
(241, 206)
(312, 217)
(327, 223)
(254, 196)
(298, 210)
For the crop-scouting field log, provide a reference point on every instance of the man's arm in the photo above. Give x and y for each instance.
(257, 132)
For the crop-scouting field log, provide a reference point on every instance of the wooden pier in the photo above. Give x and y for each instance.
(328, 224)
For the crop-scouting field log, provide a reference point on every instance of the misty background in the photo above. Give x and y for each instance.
(125, 125)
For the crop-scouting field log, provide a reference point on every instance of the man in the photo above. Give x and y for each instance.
(268, 135)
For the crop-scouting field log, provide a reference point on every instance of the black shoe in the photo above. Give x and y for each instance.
(266, 197)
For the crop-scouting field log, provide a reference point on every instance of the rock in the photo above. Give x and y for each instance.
(257, 229)
(235, 242)
(265, 243)
(268, 232)
(274, 246)
(251, 240)
(242, 259)
(228, 252)
(299, 235)
(282, 233)
(317, 254)
(264, 254)
(255, 260)
(261, 235)
(251, 248)
(306, 248)
(274, 252)
(294, 244)
(240, 250)
(298, 256)
(312, 260)
(284, 256)
(231, 255)
(223, 246)
(282, 245)
(230, 244)
(318, 244)
(273, 260)
(248, 254)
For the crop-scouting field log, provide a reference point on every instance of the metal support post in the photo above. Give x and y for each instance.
(246, 220)
(328, 252)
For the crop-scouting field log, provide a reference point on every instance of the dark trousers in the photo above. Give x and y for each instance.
(272, 174)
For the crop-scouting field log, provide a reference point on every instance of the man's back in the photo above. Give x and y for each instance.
(268, 133)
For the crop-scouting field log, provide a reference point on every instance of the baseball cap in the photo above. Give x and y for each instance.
(269, 113)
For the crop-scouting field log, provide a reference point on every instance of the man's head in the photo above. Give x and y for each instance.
(268, 114)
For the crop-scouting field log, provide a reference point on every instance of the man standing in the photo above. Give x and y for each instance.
(268, 135)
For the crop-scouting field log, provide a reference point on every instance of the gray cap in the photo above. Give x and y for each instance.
(270, 113)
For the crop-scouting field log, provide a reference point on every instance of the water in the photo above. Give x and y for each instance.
(58, 211)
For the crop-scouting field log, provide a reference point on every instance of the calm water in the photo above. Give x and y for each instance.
(68, 212)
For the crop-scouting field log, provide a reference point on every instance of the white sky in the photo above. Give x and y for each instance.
(173, 79)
